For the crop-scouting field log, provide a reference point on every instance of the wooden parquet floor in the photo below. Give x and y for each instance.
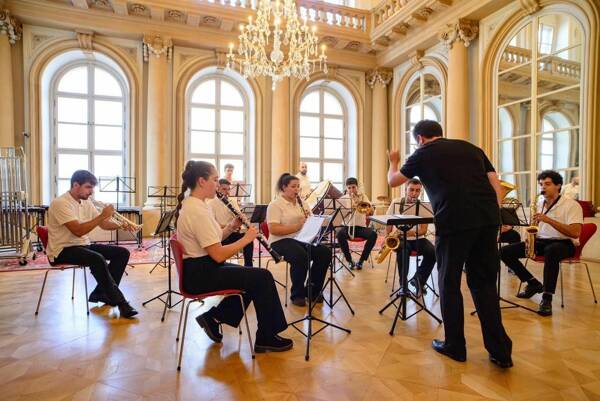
(64, 355)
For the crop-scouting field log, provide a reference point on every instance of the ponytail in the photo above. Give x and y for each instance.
(193, 170)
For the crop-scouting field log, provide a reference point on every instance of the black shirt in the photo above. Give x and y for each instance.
(454, 174)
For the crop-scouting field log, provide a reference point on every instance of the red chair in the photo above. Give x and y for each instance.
(42, 232)
(587, 231)
(264, 228)
(357, 240)
(178, 252)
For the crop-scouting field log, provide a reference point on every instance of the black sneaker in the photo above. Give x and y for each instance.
(351, 265)
(545, 308)
(127, 311)
(500, 363)
(416, 285)
(318, 300)
(298, 301)
(210, 326)
(532, 288)
(99, 298)
(359, 265)
(273, 344)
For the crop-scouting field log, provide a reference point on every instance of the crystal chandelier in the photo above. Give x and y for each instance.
(293, 50)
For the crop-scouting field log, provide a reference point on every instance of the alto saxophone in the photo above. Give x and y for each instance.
(391, 243)
(532, 231)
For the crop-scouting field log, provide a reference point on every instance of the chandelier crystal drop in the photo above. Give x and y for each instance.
(277, 44)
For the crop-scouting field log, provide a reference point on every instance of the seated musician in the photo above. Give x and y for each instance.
(422, 246)
(357, 226)
(559, 220)
(508, 235)
(224, 217)
(71, 217)
(285, 217)
(205, 270)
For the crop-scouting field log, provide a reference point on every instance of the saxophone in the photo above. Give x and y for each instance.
(532, 231)
(392, 242)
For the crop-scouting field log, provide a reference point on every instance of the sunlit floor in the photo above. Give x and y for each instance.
(64, 355)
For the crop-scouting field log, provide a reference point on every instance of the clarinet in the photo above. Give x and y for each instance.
(299, 200)
(276, 257)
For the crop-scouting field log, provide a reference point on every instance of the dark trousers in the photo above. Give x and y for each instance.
(248, 249)
(201, 275)
(477, 250)
(509, 237)
(296, 254)
(368, 234)
(107, 275)
(424, 248)
(552, 250)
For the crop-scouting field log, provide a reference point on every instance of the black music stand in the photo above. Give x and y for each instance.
(339, 212)
(119, 185)
(164, 227)
(310, 238)
(256, 214)
(166, 194)
(239, 190)
(404, 224)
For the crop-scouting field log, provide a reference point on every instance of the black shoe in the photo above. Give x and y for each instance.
(127, 311)
(351, 265)
(299, 301)
(500, 363)
(359, 265)
(97, 298)
(273, 344)
(210, 326)
(440, 346)
(318, 300)
(545, 308)
(532, 288)
(416, 285)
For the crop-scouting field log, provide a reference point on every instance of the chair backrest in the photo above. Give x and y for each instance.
(587, 231)
(264, 228)
(178, 251)
(42, 233)
(587, 207)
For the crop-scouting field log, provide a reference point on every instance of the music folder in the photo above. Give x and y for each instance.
(312, 228)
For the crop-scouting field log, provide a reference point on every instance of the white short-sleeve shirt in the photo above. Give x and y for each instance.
(282, 211)
(197, 227)
(358, 219)
(62, 210)
(305, 187)
(222, 214)
(566, 211)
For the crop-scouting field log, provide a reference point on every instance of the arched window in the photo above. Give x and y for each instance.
(422, 100)
(324, 140)
(217, 123)
(538, 84)
(89, 126)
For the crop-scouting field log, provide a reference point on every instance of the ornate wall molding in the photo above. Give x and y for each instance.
(530, 6)
(381, 76)
(157, 46)
(464, 30)
(415, 58)
(10, 26)
(86, 40)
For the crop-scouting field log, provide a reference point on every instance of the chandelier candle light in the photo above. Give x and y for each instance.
(279, 20)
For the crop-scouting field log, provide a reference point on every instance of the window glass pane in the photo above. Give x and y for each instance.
(310, 103)
(505, 123)
(559, 71)
(106, 84)
(506, 156)
(313, 172)
(333, 149)
(107, 112)
(202, 142)
(203, 119)
(309, 147)
(74, 81)
(413, 95)
(230, 95)
(518, 50)
(232, 120)
(515, 155)
(72, 110)
(309, 126)
(72, 136)
(108, 165)
(429, 114)
(69, 163)
(108, 138)
(63, 186)
(331, 105)
(211, 161)
(232, 144)
(238, 168)
(333, 128)
(205, 93)
(333, 172)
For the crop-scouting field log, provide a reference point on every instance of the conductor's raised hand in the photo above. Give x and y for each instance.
(393, 156)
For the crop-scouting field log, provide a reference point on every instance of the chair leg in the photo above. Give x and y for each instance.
(180, 319)
(287, 275)
(590, 280)
(562, 296)
(37, 309)
(73, 287)
(187, 309)
(87, 302)
(247, 327)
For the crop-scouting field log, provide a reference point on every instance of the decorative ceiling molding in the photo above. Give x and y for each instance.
(465, 30)
(10, 26)
(157, 46)
(381, 76)
(415, 58)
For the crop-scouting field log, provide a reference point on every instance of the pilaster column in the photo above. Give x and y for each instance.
(457, 38)
(378, 80)
(10, 32)
(280, 131)
(157, 53)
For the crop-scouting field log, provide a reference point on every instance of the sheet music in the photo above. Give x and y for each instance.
(310, 229)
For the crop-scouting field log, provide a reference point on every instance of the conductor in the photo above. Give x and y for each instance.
(465, 195)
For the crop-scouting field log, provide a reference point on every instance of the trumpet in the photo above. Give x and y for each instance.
(276, 257)
(532, 231)
(117, 218)
(391, 243)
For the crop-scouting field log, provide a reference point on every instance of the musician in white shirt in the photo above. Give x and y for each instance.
(560, 220)
(224, 217)
(305, 187)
